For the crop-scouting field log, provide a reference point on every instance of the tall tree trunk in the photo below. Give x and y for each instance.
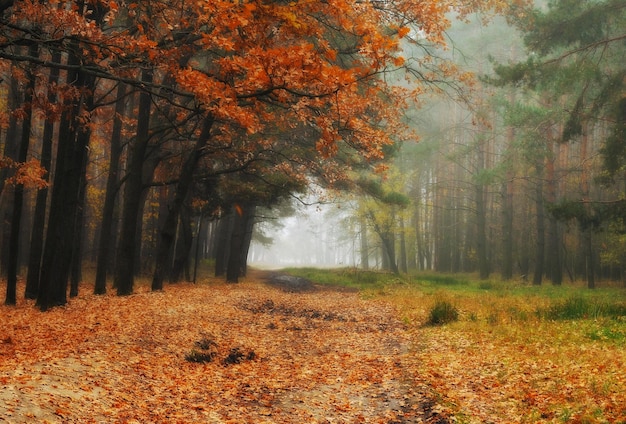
(71, 153)
(222, 242)
(240, 241)
(182, 248)
(125, 258)
(39, 219)
(11, 151)
(553, 256)
(540, 227)
(18, 192)
(107, 236)
(507, 229)
(247, 239)
(364, 244)
(403, 256)
(76, 274)
(587, 229)
(182, 188)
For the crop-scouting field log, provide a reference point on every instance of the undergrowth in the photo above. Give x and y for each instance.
(509, 336)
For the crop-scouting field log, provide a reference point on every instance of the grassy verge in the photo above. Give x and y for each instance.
(511, 352)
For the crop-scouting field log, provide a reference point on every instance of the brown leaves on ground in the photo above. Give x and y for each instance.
(318, 357)
(528, 371)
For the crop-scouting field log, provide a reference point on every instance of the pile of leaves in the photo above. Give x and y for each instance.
(209, 352)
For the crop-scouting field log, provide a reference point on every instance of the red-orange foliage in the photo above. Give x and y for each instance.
(253, 62)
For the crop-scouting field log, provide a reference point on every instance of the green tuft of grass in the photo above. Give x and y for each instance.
(443, 312)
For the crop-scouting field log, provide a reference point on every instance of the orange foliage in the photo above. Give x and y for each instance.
(30, 174)
(272, 357)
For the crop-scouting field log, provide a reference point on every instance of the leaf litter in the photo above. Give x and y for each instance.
(271, 356)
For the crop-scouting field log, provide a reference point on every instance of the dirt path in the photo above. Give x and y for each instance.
(209, 353)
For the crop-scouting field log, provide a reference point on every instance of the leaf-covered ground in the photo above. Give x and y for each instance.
(209, 353)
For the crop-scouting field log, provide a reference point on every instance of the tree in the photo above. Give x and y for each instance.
(577, 51)
(258, 71)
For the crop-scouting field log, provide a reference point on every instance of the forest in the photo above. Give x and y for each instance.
(144, 138)
(465, 159)
(521, 178)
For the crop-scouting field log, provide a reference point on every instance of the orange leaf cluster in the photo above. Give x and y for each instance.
(30, 174)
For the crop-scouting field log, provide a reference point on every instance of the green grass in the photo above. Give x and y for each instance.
(491, 301)
(346, 277)
(511, 334)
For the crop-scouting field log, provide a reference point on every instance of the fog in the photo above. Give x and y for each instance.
(319, 235)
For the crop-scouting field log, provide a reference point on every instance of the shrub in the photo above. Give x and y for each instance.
(443, 312)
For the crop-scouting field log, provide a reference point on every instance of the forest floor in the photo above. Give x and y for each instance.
(211, 353)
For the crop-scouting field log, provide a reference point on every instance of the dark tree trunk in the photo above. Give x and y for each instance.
(11, 150)
(182, 188)
(76, 274)
(243, 216)
(18, 192)
(222, 243)
(107, 236)
(249, 225)
(39, 219)
(183, 248)
(125, 259)
(71, 154)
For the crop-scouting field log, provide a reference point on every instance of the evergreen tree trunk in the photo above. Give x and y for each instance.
(481, 233)
(107, 236)
(540, 226)
(587, 229)
(125, 266)
(507, 230)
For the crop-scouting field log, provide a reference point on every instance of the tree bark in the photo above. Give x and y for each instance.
(133, 187)
(18, 192)
(39, 219)
(107, 236)
(507, 230)
(365, 251)
(540, 226)
(71, 153)
(403, 256)
(240, 241)
(182, 188)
